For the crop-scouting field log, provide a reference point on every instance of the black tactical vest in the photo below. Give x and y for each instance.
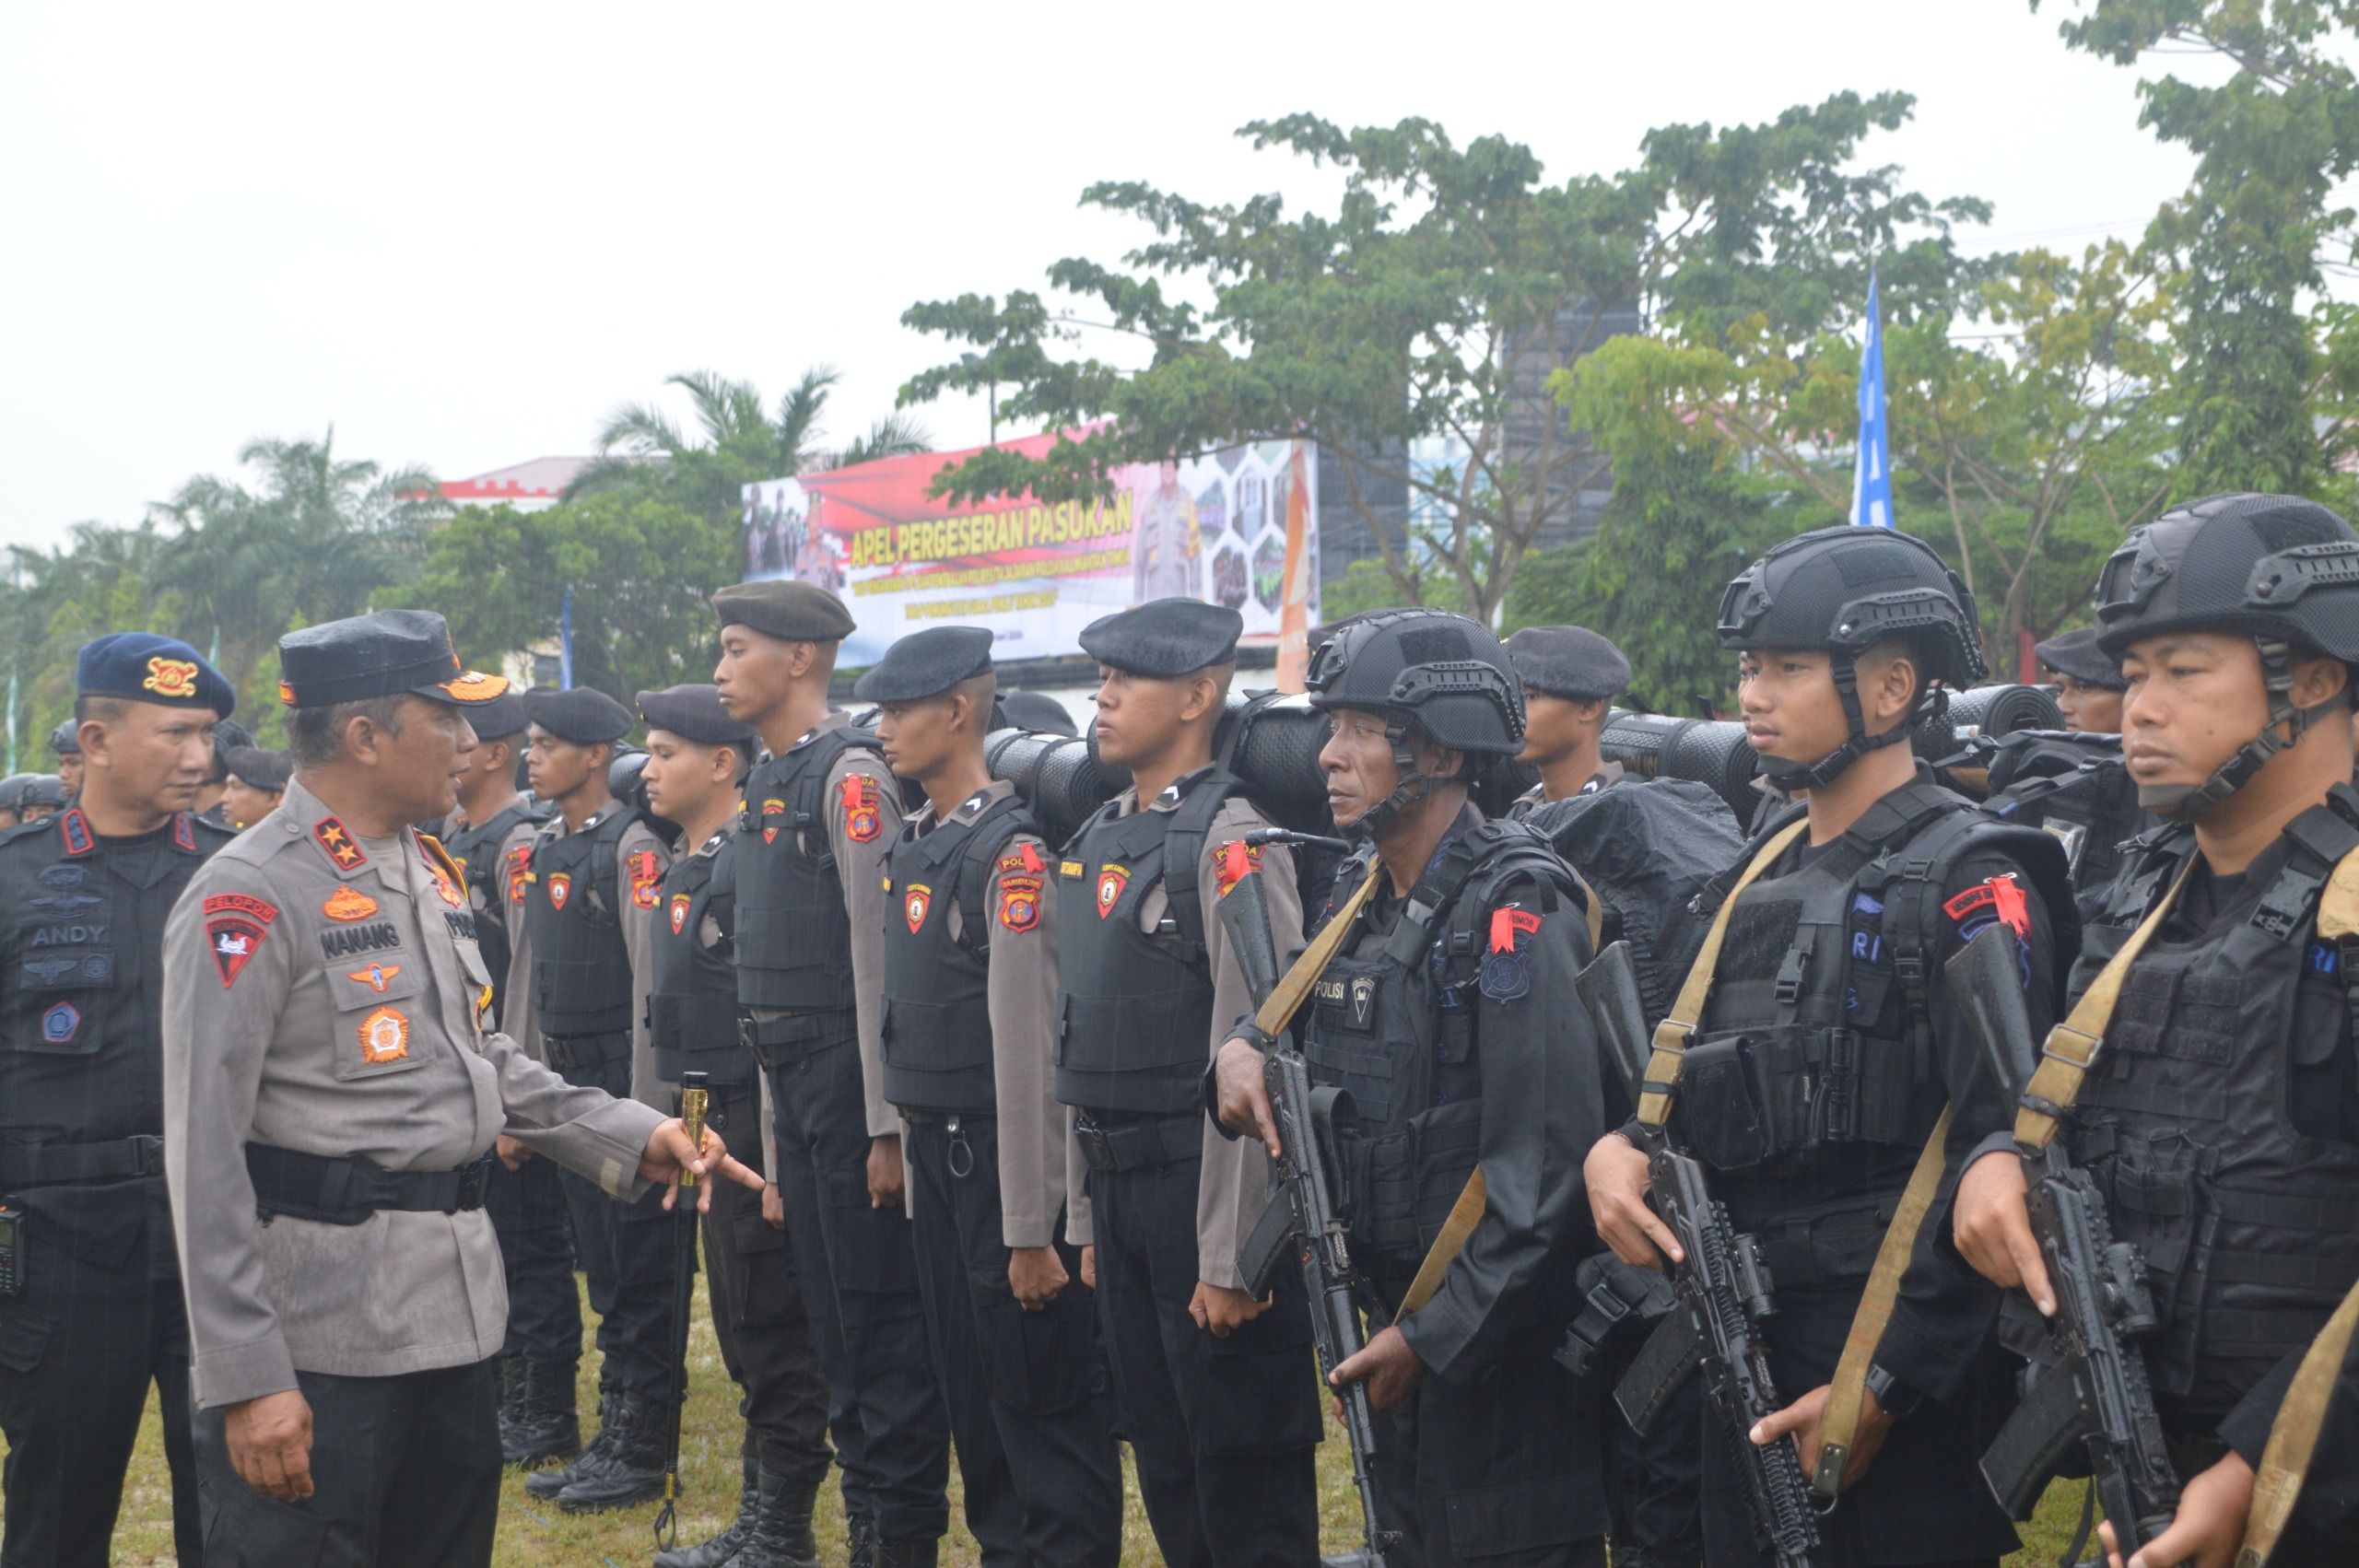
(1392, 1024)
(580, 968)
(1818, 1033)
(1134, 1009)
(793, 942)
(692, 999)
(937, 1013)
(2185, 1119)
(2074, 786)
(476, 850)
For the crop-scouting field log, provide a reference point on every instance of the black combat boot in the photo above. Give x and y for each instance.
(723, 1549)
(859, 1538)
(909, 1553)
(633, 1471)
(781, 1536)
(545, 1425)
(546, 1484)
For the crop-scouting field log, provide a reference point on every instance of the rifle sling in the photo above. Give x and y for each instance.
(1286, 998)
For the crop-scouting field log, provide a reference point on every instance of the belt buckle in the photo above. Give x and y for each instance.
(146, 1154)
(1096, 1146)
(470, 1183)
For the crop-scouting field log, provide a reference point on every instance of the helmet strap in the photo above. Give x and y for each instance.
(1788, 778)
(2180, 803)
(1414, 784)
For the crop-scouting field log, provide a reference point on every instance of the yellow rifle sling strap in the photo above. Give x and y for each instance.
(1287, 997)
(2294, 1437)
(1674, 1033)
(2073, 1045)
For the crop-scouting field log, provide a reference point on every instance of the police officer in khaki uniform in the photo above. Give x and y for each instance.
(1214, 1387)
(330, 1100)
(89, 1309)
(970, 1024)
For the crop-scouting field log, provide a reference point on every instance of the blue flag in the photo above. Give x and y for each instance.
(565, 641)
(1872, 483)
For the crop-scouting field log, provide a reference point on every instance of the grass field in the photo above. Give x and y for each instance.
(535, 1535)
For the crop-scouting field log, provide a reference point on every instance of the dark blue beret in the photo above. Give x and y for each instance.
(693, 713)
(383, 654)
(785, 608)
(926, 663)
(1568, 661)
(144, 667)
(1164, 638)
(1036, 711)
(2076, 653)
(583, 715)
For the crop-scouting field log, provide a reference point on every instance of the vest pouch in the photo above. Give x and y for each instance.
(1722, 1104)
(1448, 1142)
(1871, 1091)
(1384, 1192)
(1360, 1067)
(2155, 1185)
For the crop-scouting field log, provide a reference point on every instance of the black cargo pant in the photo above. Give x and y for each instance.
(1653, 1479)
(1225, 1431)
(758, 1309)
(858, 1270)
(78, 1348)
(1029, 1411)
(1499, 1465)
(405, 1470)
(624, 1247)
(528, 1214)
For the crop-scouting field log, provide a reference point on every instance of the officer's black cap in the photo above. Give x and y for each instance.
(1164, 638)
(261, 769)
(503, 715)
(2076, 654)
(583, 715)
(786, 609)
(1036, 711)
(66, 738)
(926, 663)
(1568, 661)
(693, 713)
(383, 654)
(144, 667)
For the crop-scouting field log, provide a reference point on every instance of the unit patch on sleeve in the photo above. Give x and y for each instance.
(1507, 965)
(1237, 861)
(234, 927)
(1019, 901)
(864, 816)
(520, 871)
(646, 872)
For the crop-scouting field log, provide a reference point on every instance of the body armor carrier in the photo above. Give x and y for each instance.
(1818, 1033)
(692, 996)
(1392, 1024)
(1134, 1008)
(581, 968)
(937, 1024)
(2186, 1121)
(793, 942)
(475, 847)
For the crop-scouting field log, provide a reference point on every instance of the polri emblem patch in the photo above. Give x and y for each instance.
(560, 889)
(915, 900)
(384, 1035)
(1019, 902)
(1111, 881)
(679, 913)
(61, 1023)
(863, 818)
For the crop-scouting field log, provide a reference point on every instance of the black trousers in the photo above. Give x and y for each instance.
(1500, 1465)
(625, 1250)
(758, 1310)
(528, 1215)
(78, 1348)
(1029, 1411)
(1224, 1432)
(404, 1471)
(858, 1270)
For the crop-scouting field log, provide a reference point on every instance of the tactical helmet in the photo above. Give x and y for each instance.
(1445, 674)
(1842, 591)
(66, 738)
(2279, 570)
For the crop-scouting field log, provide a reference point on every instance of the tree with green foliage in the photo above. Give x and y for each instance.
(1434, 299)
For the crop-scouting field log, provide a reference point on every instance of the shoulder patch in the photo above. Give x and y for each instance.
(646, 872)
(1019, 901)
(2002, 896)
(1238, 860)
(863, 811)
(235, 924)
(519, 871)
(1506, 972)
(1025, 858)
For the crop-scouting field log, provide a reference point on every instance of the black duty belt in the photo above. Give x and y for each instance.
(1139, 1142)
(345, 1189)
(57, 1165)
(578, 1053)
(789, 1041)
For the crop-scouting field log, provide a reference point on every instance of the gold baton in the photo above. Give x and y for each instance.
(692, 1104)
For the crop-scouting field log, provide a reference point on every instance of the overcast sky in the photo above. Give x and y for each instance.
(462, 234)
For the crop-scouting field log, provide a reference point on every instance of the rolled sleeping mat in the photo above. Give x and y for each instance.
(1712, 752)
(1058, 776)
(1978, 718)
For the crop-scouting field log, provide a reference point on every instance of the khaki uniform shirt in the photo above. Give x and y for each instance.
(350, 1025)
(1234, 1187)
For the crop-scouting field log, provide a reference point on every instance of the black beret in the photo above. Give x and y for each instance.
(1039, 712)
(785, 608)
(258, 769)
(503, 715)
(693, 713)
(1568, 661)
(1164, 638)
(66, 738)
(926, 663)
(583, 715)
(2076, 654)
(381, 654)
(144, 667)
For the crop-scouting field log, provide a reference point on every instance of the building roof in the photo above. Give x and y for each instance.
(542, 478)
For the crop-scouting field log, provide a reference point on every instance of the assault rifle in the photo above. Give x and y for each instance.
(1303, 1220)
(1725, 1292)
(2095, 1394)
